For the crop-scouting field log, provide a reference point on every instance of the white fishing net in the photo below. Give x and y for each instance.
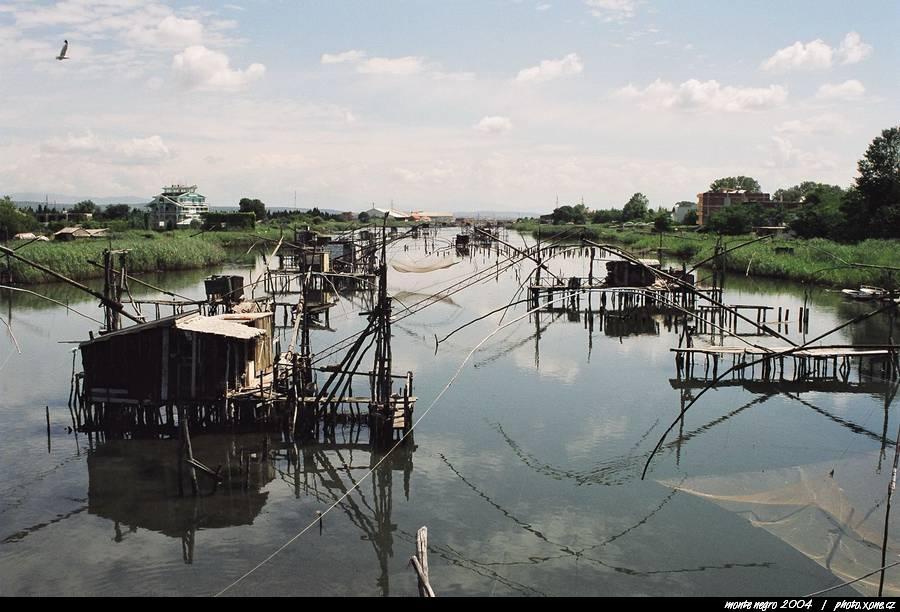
(834, 518)
(422, 266)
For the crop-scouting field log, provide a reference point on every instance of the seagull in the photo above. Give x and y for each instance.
(62, 52)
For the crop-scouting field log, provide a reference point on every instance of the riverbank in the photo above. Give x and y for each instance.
(148, 252)
(817, 261)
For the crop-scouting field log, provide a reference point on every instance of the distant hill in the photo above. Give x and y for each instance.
(34, 199)
(496, 214)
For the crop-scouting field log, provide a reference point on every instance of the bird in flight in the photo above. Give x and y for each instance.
(62, 52)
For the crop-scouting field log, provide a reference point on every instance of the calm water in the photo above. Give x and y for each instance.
(526, 472)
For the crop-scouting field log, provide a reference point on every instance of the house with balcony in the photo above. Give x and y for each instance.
(177, 206)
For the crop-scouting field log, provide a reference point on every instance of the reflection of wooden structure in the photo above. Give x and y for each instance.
(136, 484)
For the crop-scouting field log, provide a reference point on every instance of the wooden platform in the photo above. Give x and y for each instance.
(831, 351)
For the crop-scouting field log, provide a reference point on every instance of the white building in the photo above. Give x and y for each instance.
(376, 214)
(177, 206)
(434, 216)
(679, 212)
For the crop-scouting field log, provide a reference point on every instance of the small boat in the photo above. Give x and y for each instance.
(866, 293)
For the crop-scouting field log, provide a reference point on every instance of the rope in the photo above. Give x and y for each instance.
(386, 455)
(843, 584)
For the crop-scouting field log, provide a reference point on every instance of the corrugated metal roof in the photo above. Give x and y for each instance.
(195, 322)
(218, 327)
(244, 316)
(141, 327)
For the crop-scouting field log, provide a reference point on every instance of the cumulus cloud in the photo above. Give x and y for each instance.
(170, 33)
(108, 150)
(612, 10)
(785, 154)
(200, 68)
(551, 69)
(436, 174)
(694, 95)
(398, 66)
(353, 55)
(818, 55)
(814, 55)
(848, 90)
(826, 123)
(494, 125)
(853, 49)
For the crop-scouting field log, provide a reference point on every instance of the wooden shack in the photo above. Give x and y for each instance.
(227, 289)
(628, 274)
(183, 358)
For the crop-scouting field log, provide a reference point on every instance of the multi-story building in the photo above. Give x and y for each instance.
(711, 202)
(177, 206)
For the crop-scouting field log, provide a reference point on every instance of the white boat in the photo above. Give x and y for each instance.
(866, 293)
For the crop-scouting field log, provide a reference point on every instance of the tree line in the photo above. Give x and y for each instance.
(870, 208)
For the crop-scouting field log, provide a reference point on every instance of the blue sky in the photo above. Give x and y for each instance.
(461, 105)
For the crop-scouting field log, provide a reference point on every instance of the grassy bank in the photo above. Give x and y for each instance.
(152, 251)
(149, 251)
(815, 261)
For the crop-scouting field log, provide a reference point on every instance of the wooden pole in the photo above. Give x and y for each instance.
(887, 513)
(106, 302)
(188, 451)
(420, 563)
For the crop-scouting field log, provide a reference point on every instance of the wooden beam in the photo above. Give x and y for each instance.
(112, 304)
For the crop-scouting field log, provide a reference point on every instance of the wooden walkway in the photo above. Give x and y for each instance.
(812, 362)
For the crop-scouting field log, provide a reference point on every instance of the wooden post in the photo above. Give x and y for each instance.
(48, 429)
(420, 563)
(188, 451)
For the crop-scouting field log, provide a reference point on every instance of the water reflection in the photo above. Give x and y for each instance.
(575, 434)
(135, 485)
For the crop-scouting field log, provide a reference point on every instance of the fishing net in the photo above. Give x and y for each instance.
(834, 518)
(423, 266)
(411, 297)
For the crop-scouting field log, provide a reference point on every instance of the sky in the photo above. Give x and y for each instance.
(441, 105)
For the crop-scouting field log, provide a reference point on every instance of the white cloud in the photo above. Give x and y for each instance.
(826, 123)
(543, 7)
(710, 95)
(437, 174)
(397, 66)
(339, 58)
(853, 50)
(494, 125)
(818, 55)
(123, 151)
(200, 68)
(612, 10)
(785, 154)
(848, 90)
(814, 55)
(170, 33)
(551, 69)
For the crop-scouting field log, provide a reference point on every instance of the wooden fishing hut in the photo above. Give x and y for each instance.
(224, 290)
(628, 274)
(186, 361)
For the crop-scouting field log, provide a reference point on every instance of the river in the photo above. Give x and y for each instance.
(527, 471)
